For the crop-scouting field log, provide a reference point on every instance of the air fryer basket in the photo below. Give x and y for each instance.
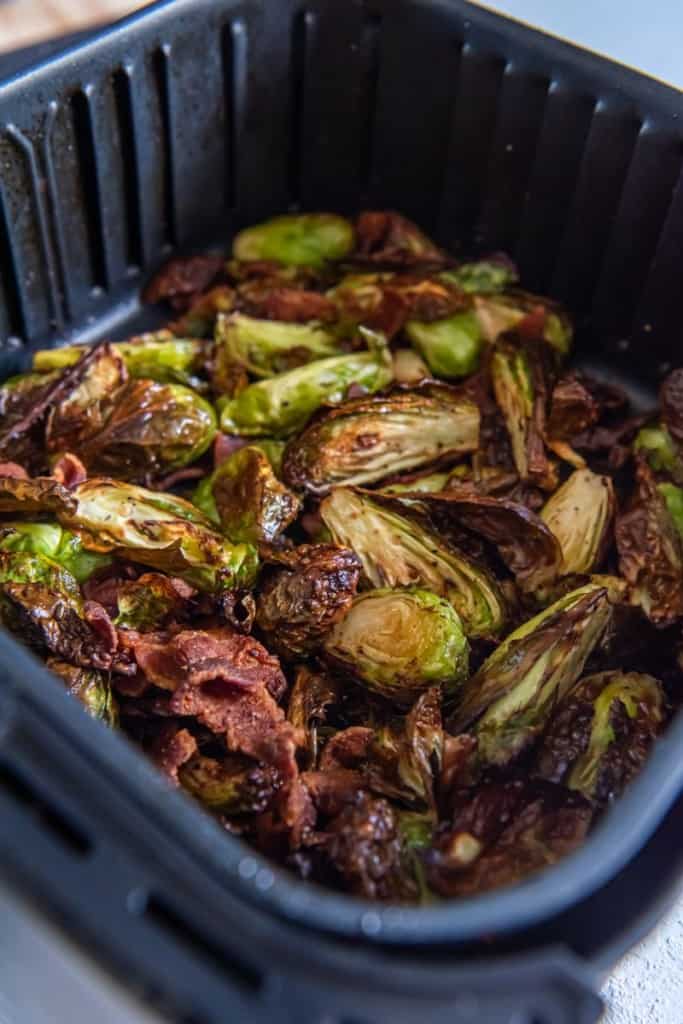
(166, 134)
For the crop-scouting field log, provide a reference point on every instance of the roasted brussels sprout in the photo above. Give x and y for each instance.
(54, 543)
(651, 551)
(580, 515)
(409, 369)
(42, 494)
(385, 238)
(146, 603)
(301, 601)
(367, 439)
(158, 530)
(160, 357)
(151, 430)
(519, 380)
(601, 733)
(484, 277)
(424, 483)
(85, 408)
(90, 687)
(24, 403)
(400, 642)
(364, 847)
(673, 496)
(509, 700)
(528, 315)
(311, 696)
(245, 498)
(396, 551)
(655, 444)
(450, 347)
(233, 785)
(281, 405)
(307, 239)
(265, 347)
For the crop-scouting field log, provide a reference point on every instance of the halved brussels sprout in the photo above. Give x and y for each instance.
(161, 531)
(656, 444)
(518, 376)
(55, 543)
(84, 408)
(483, 277)
(90, 687)
(450, 347)
(386, 238)
(159, 356)
(509, 700)
(601, 733)
(399, 643)
(311, 695)
(282, 405)
(266, 347)
(151, 430)
(308, 239)
(367, 439)
(245, 498)
(580, 515)
(41, 494)
(233, 785)
(530, 315)
(146, 603)
(396, 551)
(24, 402)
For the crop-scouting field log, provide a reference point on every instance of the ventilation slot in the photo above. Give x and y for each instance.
(243, 975)
(369, 59)
(87, 168)
(131, 185)
(70, 836)
(9, 282)
(160, 69)
(302, 27)
(234, 58)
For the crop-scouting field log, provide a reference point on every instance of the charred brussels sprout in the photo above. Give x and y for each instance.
(309, 701)
(484, 277)
(368, 439)
(52, 541)
(396, 551)
(450, 347)
(306, 239)
(656, 445)
(266, 347)
(400, 642)
(160, 357)
(152, 430)
(509, 700)
(161, 531)
(42, 494)
(601, 733)
(301, 601)
(386, 238)
(246, 499)
(282, 405)
(233, 785)
(580, 515)
(146, 603)
(529, 315)
(673, 496)
(90, 687)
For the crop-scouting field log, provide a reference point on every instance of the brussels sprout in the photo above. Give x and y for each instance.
(580, 514)
(311, 695)
(427, 483)
(655, 444)
(651, 549)
(309, 239)
(367, 439)
(55, 543)
(282, 405)
(301, 601)
(509, 700)
(450, 347)
(385, 238)
(403, 763)
(245, 498)
(146, 603)
(160, 357)
(31, 567)
(526, 314)
(85, 408)
(600, 735)
(265, 347)
(42, 494)
(364, 848)
(483, 277)
(408, 367)
(673, 496)
(90, 687)
(200, 319)
(151, 430)
(400, 642)
(395, 551)
(24, 401)
(518, 376)
(233, 785)
(161, 531)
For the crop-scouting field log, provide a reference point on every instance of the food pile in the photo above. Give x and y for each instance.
(354, 555)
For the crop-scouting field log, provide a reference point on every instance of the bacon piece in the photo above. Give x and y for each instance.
(69, 470)
(172, 749)
(226, 445)
(181, 281)
(332, 790)
(13, 469)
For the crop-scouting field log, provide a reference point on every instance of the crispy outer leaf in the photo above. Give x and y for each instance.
(580, 515)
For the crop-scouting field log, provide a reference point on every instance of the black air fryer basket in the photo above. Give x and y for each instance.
(167, 133)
